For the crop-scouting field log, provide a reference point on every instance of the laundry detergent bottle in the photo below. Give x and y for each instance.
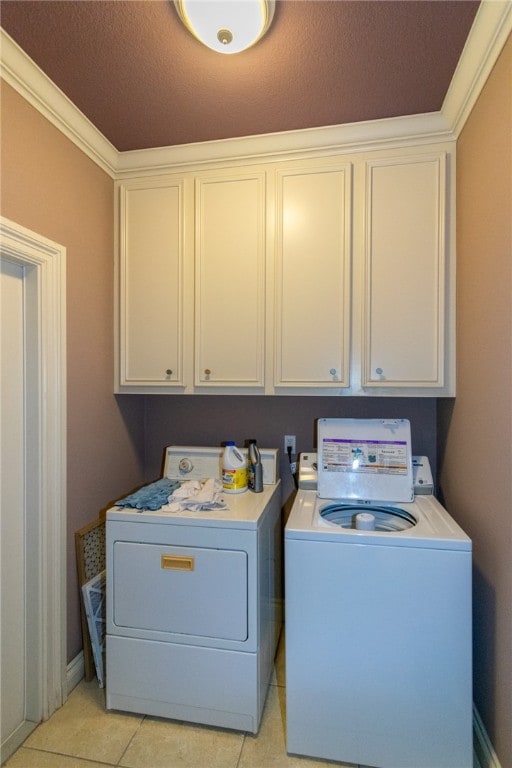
(234, 469)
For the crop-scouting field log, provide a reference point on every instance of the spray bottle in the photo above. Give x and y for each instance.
(255, 467)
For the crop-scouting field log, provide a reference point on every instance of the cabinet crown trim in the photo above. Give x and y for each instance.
(491, 28)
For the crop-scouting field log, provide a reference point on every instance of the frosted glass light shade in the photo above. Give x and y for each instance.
(226, 26)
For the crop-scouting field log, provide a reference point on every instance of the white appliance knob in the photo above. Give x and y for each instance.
(185, 466)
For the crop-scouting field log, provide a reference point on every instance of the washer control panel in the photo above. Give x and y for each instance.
(190, 462)
(423, 481)
(422, 474)
(308, 471)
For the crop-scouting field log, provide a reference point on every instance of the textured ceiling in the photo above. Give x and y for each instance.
(133, 69)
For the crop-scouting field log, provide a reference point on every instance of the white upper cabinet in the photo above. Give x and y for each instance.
(404, 328)
(326, 275)
(230, 212)
(151, 248)
(312, 271)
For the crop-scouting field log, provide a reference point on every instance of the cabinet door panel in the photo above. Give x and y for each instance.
(230, 275)
(312, 277)
(151, 245)
(405, 269)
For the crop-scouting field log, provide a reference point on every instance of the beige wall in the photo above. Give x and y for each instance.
(477, 467)
(52, 188)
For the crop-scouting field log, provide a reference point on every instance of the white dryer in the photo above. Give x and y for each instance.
(378, 609)
(193, 601)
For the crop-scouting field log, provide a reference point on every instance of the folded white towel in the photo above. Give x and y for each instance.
(197, 495)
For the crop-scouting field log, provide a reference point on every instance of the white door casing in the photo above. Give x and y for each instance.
(12, 540)
(42, 264)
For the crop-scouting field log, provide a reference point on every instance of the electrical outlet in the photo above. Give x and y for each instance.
(290, 442)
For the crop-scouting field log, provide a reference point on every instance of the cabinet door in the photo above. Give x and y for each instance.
(230, 280)
(151, 274)
(405, 272)
(313, 276)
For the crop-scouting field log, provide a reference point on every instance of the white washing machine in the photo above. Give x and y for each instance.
(193, 601)
(378, 608)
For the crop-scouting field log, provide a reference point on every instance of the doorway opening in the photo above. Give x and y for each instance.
(33, 463)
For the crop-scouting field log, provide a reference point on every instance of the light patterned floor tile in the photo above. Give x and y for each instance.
(268, 748)
(83, 735)
(166, 744)
(83, 728)
(35, 758)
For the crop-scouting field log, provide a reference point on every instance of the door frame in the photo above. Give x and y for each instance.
(45, 312)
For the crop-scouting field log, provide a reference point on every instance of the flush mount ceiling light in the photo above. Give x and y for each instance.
(227, 26)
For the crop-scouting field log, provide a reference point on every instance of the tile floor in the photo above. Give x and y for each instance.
(82, 734)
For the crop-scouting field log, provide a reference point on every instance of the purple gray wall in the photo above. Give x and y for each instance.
(210, 419)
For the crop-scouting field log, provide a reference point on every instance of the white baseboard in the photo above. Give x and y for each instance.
(483, 747)
(74, 672)
(16, 739)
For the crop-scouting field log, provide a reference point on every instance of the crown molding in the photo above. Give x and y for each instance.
(488, 35)
(351, 137)
(490, 30)
(22, 74)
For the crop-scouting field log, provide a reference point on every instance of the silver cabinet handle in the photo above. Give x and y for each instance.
(168, 372)
(333, 371)
(207, 372)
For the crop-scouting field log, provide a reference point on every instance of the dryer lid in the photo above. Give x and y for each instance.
(365, 460)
